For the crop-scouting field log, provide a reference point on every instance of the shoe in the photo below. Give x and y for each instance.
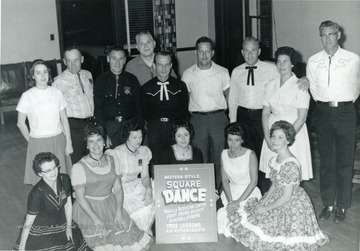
(339, 214)
(325, 213)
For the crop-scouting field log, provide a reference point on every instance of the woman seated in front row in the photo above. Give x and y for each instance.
(48, 223)
(239, 171)
(98, 208)
(284, 219)
(181, 152)
(131, 160)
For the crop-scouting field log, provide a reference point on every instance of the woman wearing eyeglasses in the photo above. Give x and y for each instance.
(48, 223)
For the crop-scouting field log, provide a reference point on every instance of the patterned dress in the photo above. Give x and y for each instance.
(130, 165)
(98, 182)
(292, 226)
(48, 231)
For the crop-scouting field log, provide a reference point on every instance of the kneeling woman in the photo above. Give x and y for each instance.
(284, 219)
(98, 208)
(239, 174)
(48, 223)
(133, 160)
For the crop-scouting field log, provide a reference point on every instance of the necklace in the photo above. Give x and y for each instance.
(182, 153)
(98, 163)
(130, 149)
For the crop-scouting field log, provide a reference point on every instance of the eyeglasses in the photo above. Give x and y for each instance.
(330, 35)
(55, 168)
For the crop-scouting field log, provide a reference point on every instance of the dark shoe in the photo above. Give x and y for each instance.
(325, 213)
(339, 214)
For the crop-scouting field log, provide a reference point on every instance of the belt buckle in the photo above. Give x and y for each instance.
(333, 103)
(118, 118)
(164, 119)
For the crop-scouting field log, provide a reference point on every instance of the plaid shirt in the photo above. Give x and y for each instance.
(79, 104)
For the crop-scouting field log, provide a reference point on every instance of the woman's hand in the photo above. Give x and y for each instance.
(69, 233)
(260, 209)
(147, 198)
(233, 206)
(68, 148)
(100, 227)
(121, 220)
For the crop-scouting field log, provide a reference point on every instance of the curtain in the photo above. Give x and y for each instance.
(165, 26)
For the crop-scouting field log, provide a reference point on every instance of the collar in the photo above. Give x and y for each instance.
(140, 61)
(338, 51)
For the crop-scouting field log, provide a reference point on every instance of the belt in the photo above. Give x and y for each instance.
(164, 119)
(208, 113)
(117, 119)
(249, 110)
(85, 119)
(334, 103)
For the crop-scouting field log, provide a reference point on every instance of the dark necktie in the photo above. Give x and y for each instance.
(81, 84)
(250, 73)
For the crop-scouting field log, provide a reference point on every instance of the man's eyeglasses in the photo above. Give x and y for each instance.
(330, 35)
(55, 168)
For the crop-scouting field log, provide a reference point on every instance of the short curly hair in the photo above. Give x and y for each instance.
(287, 128)
(288, 51)
(185, 124)
(93, 129)
(132, 126)
(41, 158)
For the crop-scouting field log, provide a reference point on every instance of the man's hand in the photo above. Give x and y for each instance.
(303, 83)
(108, 142)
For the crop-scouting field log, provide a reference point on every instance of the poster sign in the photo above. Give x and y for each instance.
(185, 203)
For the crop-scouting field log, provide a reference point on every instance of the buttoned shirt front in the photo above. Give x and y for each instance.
(80, 104)
(335, 78)
(250, 96)
(142, 71)
(117, 96)
(207, 87)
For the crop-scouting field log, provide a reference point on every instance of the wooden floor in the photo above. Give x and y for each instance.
(344, 236)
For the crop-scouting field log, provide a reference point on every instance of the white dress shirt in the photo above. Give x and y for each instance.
(335, 78)
(250, 96)
(206, 87)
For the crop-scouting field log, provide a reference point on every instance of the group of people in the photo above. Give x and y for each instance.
(186, 122)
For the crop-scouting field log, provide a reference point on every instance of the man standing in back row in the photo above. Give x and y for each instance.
(334, 75)
(165, 100)
(208, 85)
(143, 66)
(77, 87)
(116, 98)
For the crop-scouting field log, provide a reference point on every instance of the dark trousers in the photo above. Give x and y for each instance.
(251, 123)
(209, 138)
(336, 137)
(77, 138)
(159, 137)
(115, 130)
